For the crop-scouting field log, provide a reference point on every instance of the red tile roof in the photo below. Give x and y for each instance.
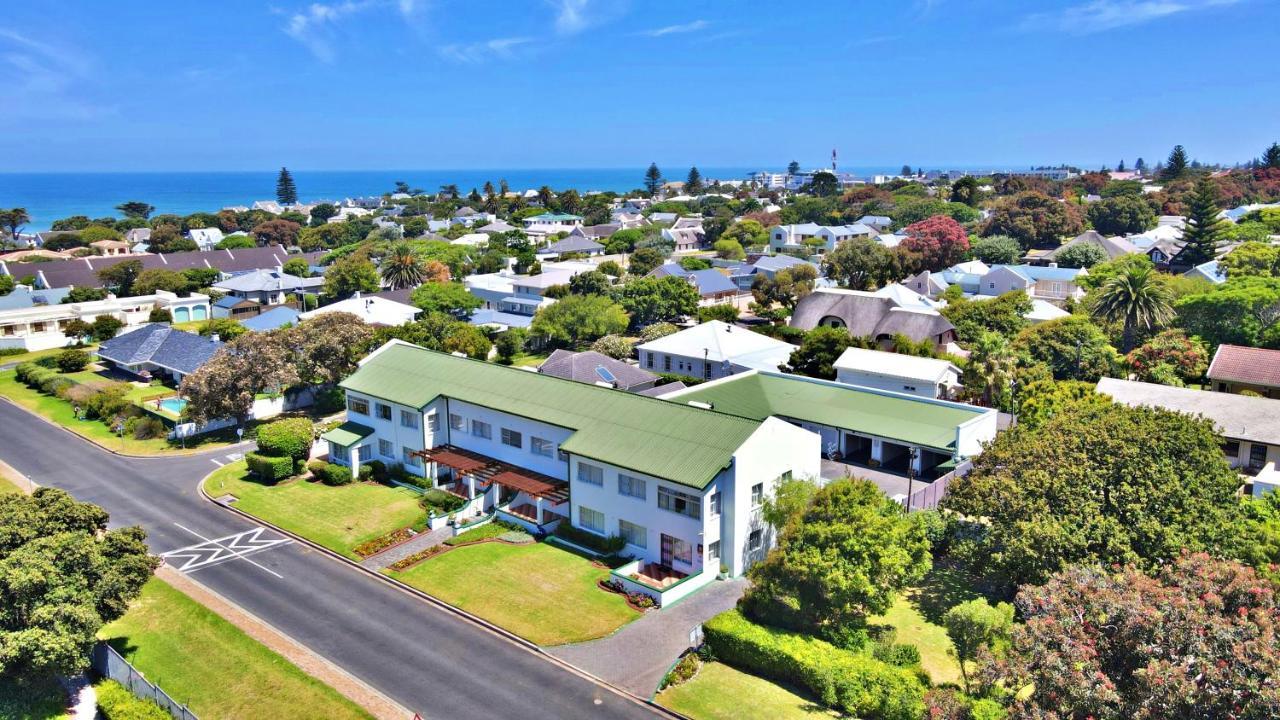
(1253, 366)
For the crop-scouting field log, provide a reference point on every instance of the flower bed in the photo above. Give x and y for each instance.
(386, 542)
(637, 600)
(414, 559)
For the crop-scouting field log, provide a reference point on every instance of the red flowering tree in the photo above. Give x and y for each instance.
(1195, 640)
(939, 240)
(1170, 354)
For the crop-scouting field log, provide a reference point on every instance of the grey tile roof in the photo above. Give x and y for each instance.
(868, 316)
(1238, 417)
(161, 345)
(267, 280)
(83, 272)
(574, 244)
(657, 390)
(585, 367)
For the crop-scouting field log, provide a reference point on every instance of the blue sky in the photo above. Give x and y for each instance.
(368, 84)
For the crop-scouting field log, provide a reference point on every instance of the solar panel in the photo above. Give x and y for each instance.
(605, 375)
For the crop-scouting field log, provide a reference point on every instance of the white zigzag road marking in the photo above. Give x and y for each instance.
(212, 552)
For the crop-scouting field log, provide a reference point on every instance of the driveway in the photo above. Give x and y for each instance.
(426, 658)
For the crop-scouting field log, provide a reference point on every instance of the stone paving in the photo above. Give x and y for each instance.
(421, 542)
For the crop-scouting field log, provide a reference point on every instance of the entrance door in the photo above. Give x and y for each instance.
(1257, 456)
(668, 549)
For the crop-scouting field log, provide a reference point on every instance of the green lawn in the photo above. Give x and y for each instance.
(538, 591)
(208, 663)
(528, 359)
(37, 354)
(39, 700)
(930, 638)
(62, 413)
(8, 486)
(720, 692)
(339, 518)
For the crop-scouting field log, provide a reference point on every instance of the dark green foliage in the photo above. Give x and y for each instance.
(70, 361)
(117, 703)
(330, 473)
(286, 190)
(649, 300)
(105, 327)
(610, 545)
(1121, 215)
(818, 352)
(996, 249)
(1073, 347)
(287, 437)
(1204, 228)
(897, 654)
(270, 468)
(1003, 315)
(724, 313)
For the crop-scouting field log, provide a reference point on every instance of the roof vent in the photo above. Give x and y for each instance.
(703, 405)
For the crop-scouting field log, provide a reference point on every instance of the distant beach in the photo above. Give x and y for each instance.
(50, 196)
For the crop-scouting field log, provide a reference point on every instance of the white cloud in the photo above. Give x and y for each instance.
(571, 15)
(688, 27)
(1103, 15)
(478, 52)
(46, 80)
(314, 25)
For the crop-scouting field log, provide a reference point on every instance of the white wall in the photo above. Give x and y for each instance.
(973, 434)
(909, 386)
(494, 447)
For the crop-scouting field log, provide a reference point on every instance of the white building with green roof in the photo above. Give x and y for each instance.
(682, 484)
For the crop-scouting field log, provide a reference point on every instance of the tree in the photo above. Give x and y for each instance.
(592, 282)
(1195, 639)
(790, 498)
(1204, 228)
(787, 288)
(793, 168)
(12, 221)
(729, 250)
(278, 232)
(940, 241)
(1034, 219)
(1170, 355)
(615, 346)
(224, 329)
(723, 312)
(153, 279)
(644, 260)
(402, 267)
(653, 180)
(989, 372)
(325, 348)
(693, 184)
(861, 264)
(286, 191)
(1121, 215)
(321, 213)
(1073, 348)
(1241, 311)
(843, 558)
(649, 300)
(747, 233)
(1271, 156)
(1006, 315)
(823, 184)
(349, 275)
(1259, 259)
(119, 278)
(286, 437)
(1080, 255)
(1176, 166)
(468, 340)
(911, 211)
(63, 575)
(623, 241)
(579, 319)
(818, 352)
(7, 284)
(235, 242)
(226, 385)
(1138, 299)
(976, 626)
(1096, 483)
(444, 297)
(77, 329)
(996, 250)
(966, 190)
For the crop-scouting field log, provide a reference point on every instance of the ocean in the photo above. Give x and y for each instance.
(51, 196)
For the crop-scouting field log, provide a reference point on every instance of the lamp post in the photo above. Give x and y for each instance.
(911, 474)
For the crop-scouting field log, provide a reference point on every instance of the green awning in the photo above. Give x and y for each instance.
(347, 434)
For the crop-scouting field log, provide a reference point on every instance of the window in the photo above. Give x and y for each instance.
(538, 446)
(648, 360)
(633, 534)
(991, 285)
(1257, 455)
(679, 502)
(706, 370)
(386, 449)
(631, 486)
(512, 438)
(410, 419)
(481, 429)
(666, 363)
(384, 411)
(433, 422)
(359, 406)
(589, 519)
(590, 474)
(409, 458)
(755, 539)
(715, 503)
(713, 551)
(455, 422)
(757, 495)
(339, 453)
(909, 388)
(1231, 449)
(681, 551)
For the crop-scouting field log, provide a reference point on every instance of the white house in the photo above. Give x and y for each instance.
(925, 377)
(713, 349)
(372, 310)
(205, 238)
(40, 327)
(683, 485)
(825, 237)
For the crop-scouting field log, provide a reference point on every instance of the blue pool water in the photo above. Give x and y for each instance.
(173, 405)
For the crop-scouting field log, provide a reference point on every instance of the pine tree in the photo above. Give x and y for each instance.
(286, 191)
(1204, 227)
(1271, 156)
(793, 168)
(1176, 166)
(1140, 166)
(653, 179)
(906, 171)
(693, 185)
(1120, 167)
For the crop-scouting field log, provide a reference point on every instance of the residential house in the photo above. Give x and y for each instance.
(1211, 271)
(878, 317)
(158, 351)
(975, 278)
(372, 310)
(273, 319)
(249, 293)
(110, 248)
(713, 349)
(663, 217)
(1235, 369)
(744, 274)
(22, 297)
(475, 240)
(627, 220)
(40, 325)
(83, 272)
(924, 377)
(682, 485)
(205, 238)
(1113, 247)
(713, 286)
(858, 425)
(598, 369)
(541, 226)
(576, 243)
(812, 237)
(34, 254)
(879, 223)
(497, 226)
(685, 234)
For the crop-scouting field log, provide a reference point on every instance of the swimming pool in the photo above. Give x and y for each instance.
(173, 405)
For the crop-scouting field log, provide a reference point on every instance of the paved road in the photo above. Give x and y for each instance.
(426, 658)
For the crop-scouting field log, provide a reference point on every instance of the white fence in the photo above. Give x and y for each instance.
(109, 664)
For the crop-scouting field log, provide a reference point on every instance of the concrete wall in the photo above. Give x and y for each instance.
(910, 386)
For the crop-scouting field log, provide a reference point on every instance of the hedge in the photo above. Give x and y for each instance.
(117, 703)
(611, 545)
(331, 474)
(287, 437)
(854, 683)
(269, 468)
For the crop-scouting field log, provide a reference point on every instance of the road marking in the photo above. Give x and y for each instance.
(219, 550)
(234, 457)
(215, 462)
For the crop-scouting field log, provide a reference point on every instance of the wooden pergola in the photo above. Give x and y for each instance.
(482, 470)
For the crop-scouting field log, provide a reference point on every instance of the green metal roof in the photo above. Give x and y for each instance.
(684, 444)
(347, 434)
(759, 395)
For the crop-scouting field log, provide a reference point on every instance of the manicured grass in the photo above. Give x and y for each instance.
(39, 700)
(538, 591)
(8, 486)
(208, 663)
(528, 359)
(339, 518)
(62, 413)
(930, 638)
(720, 692)
(37, 354)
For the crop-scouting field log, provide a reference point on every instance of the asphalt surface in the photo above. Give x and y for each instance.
(426, 658)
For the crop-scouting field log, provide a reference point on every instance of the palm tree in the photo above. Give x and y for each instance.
(403, 267)
(1137, 298)
(990, 369)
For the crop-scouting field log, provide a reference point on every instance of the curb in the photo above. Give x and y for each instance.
(440, 604)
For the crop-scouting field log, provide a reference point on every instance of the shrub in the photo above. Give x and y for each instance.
(269, 468)
(70, 361)
(329, 473)
(23, 371)
(287, 437)
(37, 375)
(56, 385)
(4, 352)
(683, 671)
(441, 502)
(852, 682)
(378, 469)
(489, 530)
(896, 654)
(107, 402)
(146, 428)
(117, 703)
(615, 346)
(987, 709)
(160, 315)
(611, 545)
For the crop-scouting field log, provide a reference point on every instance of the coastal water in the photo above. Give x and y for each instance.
(50, 196)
